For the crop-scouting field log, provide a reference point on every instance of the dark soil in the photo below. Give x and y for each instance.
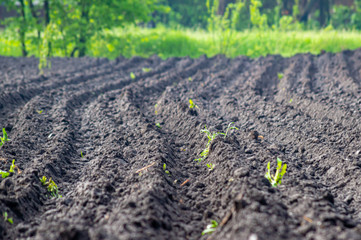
(310, 118)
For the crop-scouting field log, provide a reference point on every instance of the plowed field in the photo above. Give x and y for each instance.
(310, 118)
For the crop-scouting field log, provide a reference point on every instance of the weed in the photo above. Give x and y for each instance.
(190, 79)
(276, 179)
(132, 75)
(192, 105)
(81, 154)
(280, 75)
(210, 227)
(228, 128)
(291, 100)
(10, 220)
(210, 166)
(4, 138)
(165, 169)
(146, 70)
(51, 186)
(158, 125)
(40, 111)
(211, 136)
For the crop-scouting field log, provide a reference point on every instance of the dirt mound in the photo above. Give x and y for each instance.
(90, 125)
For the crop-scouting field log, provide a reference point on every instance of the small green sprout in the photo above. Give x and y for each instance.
(43, 180)
(158, 125)
(10, 220)
(277, 178)
(155, 109)
(228, 128)
(190, 79)
(146, 70)
(210, 166)
(40, 111)
(132, 75)
(165, 169)
(280, 75)
(4, 174)
(12, 166)
(4, 138)
(211, 136)
(291, 100)
(51, 186)
(191, 104)
(81, 154)
(210, 228)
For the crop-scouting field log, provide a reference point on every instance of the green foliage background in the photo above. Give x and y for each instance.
(109, 28)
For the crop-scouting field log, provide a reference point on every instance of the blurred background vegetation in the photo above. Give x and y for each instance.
(109, 28)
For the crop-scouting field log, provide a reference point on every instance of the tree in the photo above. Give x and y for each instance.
(80, 20)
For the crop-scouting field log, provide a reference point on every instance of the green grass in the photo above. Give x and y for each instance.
(135, 41)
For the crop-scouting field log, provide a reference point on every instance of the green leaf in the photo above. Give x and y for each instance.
(132, 75)
(12, 166)
(4, 174)
(10, 220)
(164, 166)
(5, 135)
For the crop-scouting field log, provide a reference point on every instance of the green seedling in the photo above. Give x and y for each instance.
(4, 174)
(155, 109)
(192, 105)
(40, 111)
(10, 220)
(51, 186)
(81, 154)
(12, 166)
(228, 128)
(210, 166)
(280, 75)
(132, 75)
(190, 79)
(165, 169)
(210, 228)
(158, 125)
(211, 136)
(4, 138)
(291, 100)
(146, 70)
(276, 179)
(43, 180)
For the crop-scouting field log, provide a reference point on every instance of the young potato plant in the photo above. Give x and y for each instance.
(4, 138)
(51, 186)
(210, 227)
(276, 179)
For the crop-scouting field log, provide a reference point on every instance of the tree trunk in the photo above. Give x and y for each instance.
(83, 37)
(22, 29)
(223, 5)
(47, 21)
(34, 15)
(304, 16)
(324, 6)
